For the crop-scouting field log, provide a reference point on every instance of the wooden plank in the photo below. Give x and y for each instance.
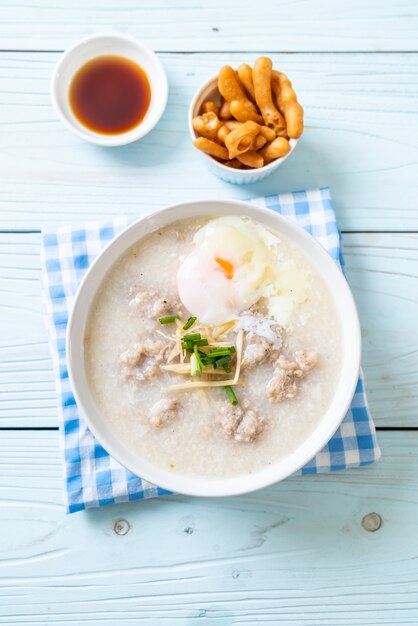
(383, 271)
(361, 139)
(295, 553)
(288, 26)
(27, 395)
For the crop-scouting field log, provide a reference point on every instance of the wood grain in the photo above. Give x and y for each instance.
(295, 553)
(361, 139)
(382, 270)
(284, 25)
(383, 273)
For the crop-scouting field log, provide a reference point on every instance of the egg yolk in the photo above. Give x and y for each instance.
(226, 267)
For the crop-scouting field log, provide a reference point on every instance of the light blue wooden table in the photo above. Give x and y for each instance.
(294, 554)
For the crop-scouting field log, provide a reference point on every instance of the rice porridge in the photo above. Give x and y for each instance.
(213, 347)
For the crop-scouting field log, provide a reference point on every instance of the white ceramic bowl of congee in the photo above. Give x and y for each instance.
(309, 446)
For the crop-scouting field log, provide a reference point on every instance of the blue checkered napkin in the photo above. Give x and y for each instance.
(92, 477)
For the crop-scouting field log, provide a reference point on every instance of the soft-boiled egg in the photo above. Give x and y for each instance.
(227, 271)
(234, 262)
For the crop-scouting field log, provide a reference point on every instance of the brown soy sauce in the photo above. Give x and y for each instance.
(110, 95)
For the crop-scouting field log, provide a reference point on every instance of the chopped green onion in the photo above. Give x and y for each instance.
(213, 354)
(201, 342)
(227, 368)
(189, 323)
(195, 368)
(192, 337)
(231, 395)
(224, 360)
(169, 319)
(187, 345)
(198, 359)
(230, 349)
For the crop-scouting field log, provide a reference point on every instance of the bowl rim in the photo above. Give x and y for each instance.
(192, 113)
(126, 137)
(181, 483)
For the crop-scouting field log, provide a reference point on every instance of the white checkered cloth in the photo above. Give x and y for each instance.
(92, 477)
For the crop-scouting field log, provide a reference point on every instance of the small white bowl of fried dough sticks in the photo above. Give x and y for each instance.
(246, 122)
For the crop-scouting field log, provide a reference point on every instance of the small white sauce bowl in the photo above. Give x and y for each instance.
(309, 447)
(209, 91)
(108, 44)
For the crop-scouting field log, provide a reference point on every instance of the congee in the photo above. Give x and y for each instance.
(213, 347)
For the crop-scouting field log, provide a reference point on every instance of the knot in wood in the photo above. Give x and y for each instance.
(371, 522)
(121, 527)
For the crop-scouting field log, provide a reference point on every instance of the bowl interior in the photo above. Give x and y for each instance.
(350, 360)
(109, 44)
(209, 91)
